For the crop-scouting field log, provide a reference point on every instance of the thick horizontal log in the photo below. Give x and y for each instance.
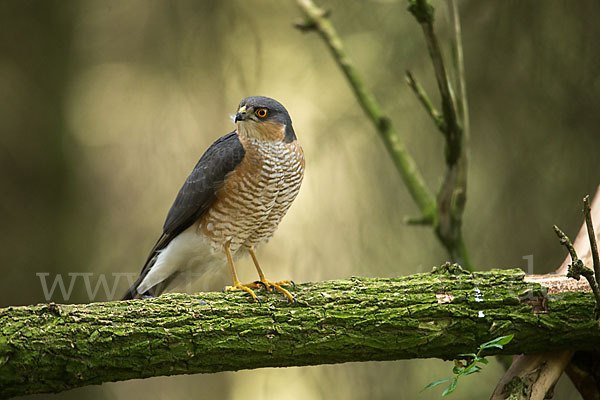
(51, 347)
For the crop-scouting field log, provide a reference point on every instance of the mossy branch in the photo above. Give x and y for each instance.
(445, 212)
(51, 347)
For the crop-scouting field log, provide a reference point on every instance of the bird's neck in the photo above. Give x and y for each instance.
(263, 131)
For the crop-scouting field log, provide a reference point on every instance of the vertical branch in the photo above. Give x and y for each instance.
(452, 195)
(423, 12)
(459, 67)
(445, 212)
(587, 211)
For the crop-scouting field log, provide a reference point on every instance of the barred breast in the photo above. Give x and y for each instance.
(255, 196)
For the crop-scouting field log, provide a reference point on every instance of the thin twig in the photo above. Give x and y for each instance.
(587, 211)
(438, 120)
(565, 241)
(461, 101)
(577, 269)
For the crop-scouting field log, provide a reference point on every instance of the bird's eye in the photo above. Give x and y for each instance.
(261, 112)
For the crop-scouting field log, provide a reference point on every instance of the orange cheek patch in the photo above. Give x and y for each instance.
(272, 131)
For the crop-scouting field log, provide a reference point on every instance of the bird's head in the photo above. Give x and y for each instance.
(263, 118)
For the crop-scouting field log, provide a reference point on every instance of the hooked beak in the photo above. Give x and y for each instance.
(241, 114)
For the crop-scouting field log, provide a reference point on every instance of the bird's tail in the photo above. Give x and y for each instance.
(132, 292)
(154, 291)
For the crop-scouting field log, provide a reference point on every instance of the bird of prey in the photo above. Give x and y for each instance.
(232, 201)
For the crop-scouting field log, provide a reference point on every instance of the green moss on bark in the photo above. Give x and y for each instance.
(50, 348)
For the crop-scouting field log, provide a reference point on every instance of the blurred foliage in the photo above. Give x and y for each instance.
(106, 106)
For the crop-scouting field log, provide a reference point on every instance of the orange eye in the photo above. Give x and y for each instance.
(261, 112)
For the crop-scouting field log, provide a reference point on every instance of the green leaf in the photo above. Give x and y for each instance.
(506, 339)
(493, 345)
(471, 355)
(498, 342)
(472, 370)
(432, 384)
(482, 360)
(450, 388)
(469, 368)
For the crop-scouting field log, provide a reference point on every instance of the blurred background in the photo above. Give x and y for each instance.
(106, 106)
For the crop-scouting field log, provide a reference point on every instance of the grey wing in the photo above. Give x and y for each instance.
(197, 193)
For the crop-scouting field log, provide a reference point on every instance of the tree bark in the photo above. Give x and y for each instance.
(531, 377)
(51, 347)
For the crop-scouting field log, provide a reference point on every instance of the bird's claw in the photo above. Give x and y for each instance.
(266, 284)
(272, 286)
(245, 288)
(260, 283)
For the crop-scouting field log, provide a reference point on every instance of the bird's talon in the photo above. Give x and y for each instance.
(272, 286)
(239, 286)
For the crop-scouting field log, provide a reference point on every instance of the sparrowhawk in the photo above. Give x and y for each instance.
(232, 201)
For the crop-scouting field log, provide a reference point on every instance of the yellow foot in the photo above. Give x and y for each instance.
(245, 287)
(270, 286)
